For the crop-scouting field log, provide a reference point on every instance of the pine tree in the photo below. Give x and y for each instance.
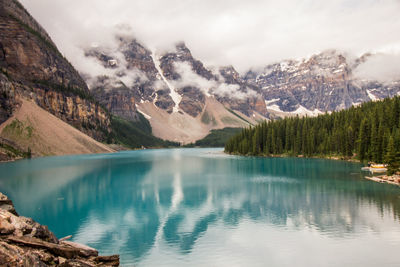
(363, 140)
(392, 157)
(365, 130)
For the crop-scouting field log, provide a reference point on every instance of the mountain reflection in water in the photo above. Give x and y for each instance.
(201, 207)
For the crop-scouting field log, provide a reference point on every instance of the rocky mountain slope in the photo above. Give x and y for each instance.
(173, 90)
(323, 82)
(33, 68)
(36, 130)
(184, 99)
(42, 97)
(36, 78)
(24, 242)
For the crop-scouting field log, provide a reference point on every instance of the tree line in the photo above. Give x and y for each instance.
(369, 132)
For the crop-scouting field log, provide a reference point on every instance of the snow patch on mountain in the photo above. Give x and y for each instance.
(275, 107)
(372, 96)
(189, 78)
(301, 110)
(173, 93)
(143, 113)
(267, 102)
(306, 112)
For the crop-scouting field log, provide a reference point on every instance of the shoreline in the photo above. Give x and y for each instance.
(338, 158)
(122, 149)
(24, 242)
(393, 180)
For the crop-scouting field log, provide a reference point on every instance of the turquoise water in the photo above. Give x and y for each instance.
(199, 207)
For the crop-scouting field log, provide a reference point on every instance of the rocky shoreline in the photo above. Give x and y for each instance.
(394, 179)
(24, 242)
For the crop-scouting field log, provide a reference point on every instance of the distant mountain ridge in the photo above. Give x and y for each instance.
(176, 82)
(323, 82)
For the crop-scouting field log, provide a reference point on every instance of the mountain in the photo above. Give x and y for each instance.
(134, 92)
(174, 91)
(46, 107)
(184, 99)
(322, 82)
(33, 68)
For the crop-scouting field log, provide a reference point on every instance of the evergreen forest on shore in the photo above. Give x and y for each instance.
(369, 133)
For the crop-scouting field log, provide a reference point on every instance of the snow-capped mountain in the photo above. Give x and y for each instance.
(323, 82)
(184, 99)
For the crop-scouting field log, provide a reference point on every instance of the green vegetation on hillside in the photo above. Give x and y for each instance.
(370, 132)
(206, 118)
(18, 129)
(35, 33)
(135, 134)
(217, 138)
(237, 115)
(69, 90)
(13, 152)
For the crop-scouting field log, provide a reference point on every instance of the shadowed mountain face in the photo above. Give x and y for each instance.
(131, 77)
(32, 68)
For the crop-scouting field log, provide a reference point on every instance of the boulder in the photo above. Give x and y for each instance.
(24, 242)
(6, 204)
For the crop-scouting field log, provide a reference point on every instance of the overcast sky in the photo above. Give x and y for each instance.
(244, 33)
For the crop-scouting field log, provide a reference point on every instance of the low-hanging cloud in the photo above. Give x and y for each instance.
(189, 78)
(242, 33)
(91, 67)
(380, 67)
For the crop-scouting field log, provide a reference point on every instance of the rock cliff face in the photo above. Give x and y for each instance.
(33, 68)
(323, 82)
(173, 90)
(248, 97)
(173, 81)
(129, 76)
(177, 67)
(24, 242)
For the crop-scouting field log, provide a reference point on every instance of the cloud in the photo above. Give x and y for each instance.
(231, 90)
(91, 67)
(232, 32)
(380, 67)
(190, 78)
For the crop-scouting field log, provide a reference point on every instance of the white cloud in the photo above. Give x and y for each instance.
(190, 78)
(91, 67)
(229, 90)
(159, 85)
(242, 33)
(384, 68)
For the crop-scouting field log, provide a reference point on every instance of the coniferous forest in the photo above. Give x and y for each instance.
(370, 132)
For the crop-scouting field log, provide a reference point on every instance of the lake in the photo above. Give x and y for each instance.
(200, 207)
